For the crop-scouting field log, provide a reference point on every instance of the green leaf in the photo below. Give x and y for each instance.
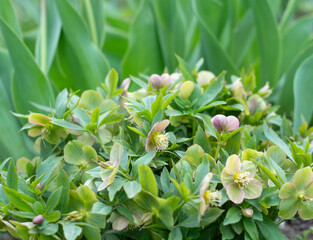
(147, 179)
(185, 69)
(47, 167)
(175, 234)
(143, 46)
(71, 231)
(29, 83)
(268, 173)
(233, 216)
(212, 91)
(268, 41)
(73, 153)
(19, 200)
(53, 216)
(111, 81)
(210, 216)
(270, 230)
(302, 92)
(66, 124)
(101, 208)
(250, 227)
(53, 200)
(145, 159)
(273, 137)
(156, 106)
(208, 126)
(165, 213)
(12, 178)
(93, 65)
(8, 14)
(61, 103)
(132, 188)
(63, 180)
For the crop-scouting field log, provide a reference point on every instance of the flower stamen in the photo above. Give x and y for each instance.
(242, 179)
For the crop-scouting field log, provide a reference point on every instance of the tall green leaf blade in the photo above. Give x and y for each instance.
(147, 179)
(268, 41)
(303, 86)
(29, 83)
(7, 12)
(143, 53)
(93, 64)
(48, 37)
(171, 30)
(9, 131)
(216, 57)
(12, 178)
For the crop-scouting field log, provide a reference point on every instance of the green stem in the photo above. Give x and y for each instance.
(124, 175)
(217, 151)
(101, 143)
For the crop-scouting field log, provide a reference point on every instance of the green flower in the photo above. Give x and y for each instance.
(238, 180)
(156, 139)
(42, 126)
(297, 196)
(208, 198)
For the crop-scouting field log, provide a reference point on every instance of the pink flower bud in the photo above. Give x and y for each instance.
(39, 186)
(158, 82)
(225, 124)
(38, 220)
(125, 84)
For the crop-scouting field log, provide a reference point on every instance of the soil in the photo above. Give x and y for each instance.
(295, 229)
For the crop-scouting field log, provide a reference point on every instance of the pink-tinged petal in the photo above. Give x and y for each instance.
(149, 146)
(309, 190)
(34, 131)
(235, 193)
(166, 79)
(162, 125)
(156, 81)
(288, 208)
(104, 184)
(205, 184)
(125, 84)
(232, 123)
(302, 178)
(226, 178)
(219, 122)
(305, 209)
(253, 190)
(233, 164)
(38, 119)
(287, 191)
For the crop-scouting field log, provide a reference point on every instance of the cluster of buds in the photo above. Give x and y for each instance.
(74, 216)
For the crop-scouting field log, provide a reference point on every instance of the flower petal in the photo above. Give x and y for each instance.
(205, 183)
(233, 164)
(309, 190)
(288, 208)
(302, 178)
(306, 209)
(235, 193)
(226, 178)
(162, 125)
(249, 167)
(38, 119)
(34, 131)
(253, 190)
(149, 146)
(219, 122)
(232, 123)
(287, 191)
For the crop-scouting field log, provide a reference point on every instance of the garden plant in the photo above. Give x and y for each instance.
(185, 156)
(155, 119)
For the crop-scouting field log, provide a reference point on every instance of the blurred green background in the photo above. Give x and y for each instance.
(48, 45)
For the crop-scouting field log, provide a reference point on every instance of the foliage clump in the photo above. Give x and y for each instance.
(178, 156)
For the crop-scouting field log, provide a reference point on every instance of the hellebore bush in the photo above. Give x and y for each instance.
(171, 159)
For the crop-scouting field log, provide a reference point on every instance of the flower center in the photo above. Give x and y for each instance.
(212, 198)
(160, 140)
(242, 179)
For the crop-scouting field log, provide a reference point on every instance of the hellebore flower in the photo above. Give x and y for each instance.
(238, 180)
(42, 126)
(158, 82)
(207, 197)
(297, 196)
(204, 78)
(156, 139)
(256, 104)
(38, 220)
(225, 124)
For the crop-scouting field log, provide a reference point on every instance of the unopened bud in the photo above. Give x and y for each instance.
(39, 186)
(247, 212)
(186, 89)
(237, 89)
(38, 220)
(225, 124)
(158, 82)
(256, 104)
(204, 78)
